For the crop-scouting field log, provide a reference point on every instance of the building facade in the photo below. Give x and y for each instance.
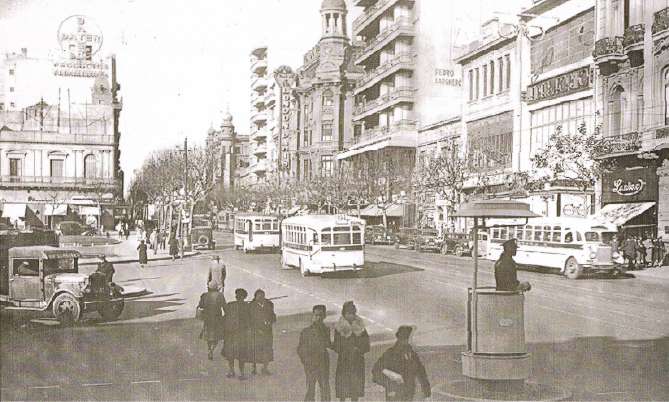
(228, 153)
(59, 132)
(261, 143)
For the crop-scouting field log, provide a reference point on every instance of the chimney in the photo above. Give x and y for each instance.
(24, 52)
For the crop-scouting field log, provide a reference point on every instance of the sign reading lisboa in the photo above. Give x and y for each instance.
(561, 85)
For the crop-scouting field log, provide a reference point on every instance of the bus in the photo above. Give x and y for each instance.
(323, 243)
(256, 232)
(573, 246)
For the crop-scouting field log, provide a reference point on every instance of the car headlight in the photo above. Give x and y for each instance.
(593, 255)
(85, 286)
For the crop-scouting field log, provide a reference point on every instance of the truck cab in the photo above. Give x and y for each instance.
(46, 278)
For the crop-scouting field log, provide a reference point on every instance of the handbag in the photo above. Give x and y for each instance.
(199, 313)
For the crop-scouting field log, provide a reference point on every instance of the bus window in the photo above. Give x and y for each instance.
(326, 238)
(557, 234)
(267, 225)
(569, 237)
(591, 236)
(357, 237)
(547, 233)
(502, 233)
(341, 239)
(537, 233)
(528, 232)
(257, 226)
(495, 233)
(579, 237)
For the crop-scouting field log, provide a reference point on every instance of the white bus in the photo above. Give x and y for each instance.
(256, 232)
(572, 245)
(323, 243)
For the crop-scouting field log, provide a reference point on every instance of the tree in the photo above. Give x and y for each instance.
(56, 199)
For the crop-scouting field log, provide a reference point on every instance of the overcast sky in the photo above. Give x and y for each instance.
(180, 62)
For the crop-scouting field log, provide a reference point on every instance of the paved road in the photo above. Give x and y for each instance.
(601, 339)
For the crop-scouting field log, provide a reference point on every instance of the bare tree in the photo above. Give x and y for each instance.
(56, 199)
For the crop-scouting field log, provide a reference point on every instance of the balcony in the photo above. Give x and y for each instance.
(51, 137)
(401, 61)
(258, 134)
(258, 66)
(401, 134)
(259, 52)
(328, 109)
(402, 27)
(259, 117)
(75, 183)
(395, 96)
(258, 101)
(259, 84)
(633, 36)
(660, 21)
(371, 14)
(608, 54)
(620, 144)
(271, 97)
(382, 131)
(363, 3)
(261, 149)
(259, 168)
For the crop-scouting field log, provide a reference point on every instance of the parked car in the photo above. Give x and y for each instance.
(406, 237)
(202, 237)
(462, 243)
(70, 228)
(379, 235)
(428, 240)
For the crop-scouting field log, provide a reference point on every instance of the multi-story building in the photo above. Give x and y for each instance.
(261, 143)
(59, 136)
(632, 57)
(229, 153)
(325, 96)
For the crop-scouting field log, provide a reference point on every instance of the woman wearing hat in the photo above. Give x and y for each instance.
(351, 342)
(399, 367)
(237, 333)
(142, 253)
(212, 304)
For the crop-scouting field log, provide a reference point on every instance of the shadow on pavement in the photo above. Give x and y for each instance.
(374, 270)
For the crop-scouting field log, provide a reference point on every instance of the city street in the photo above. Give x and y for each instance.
(597, 338)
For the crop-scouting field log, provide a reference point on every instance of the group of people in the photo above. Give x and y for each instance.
(245, 327)
(156, 240)
(396, 370)
(640, 252)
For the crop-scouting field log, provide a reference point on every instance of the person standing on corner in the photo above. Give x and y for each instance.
(237, 324)
(506, 276)
(174, 247)
(106, 268)
(217, 272)
(212, 303)
(313, 351)
(142, 253)
(629, 251)
(399, 367)
(351, 342)
(262, 337)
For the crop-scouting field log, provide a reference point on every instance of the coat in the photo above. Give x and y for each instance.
(217, 274)
(237, 331)
(212, 303)
(351, 342)
(142, 253)
(262, 337)
(506, 275)
(629, 248)
(406, 363)
(313, 348)
(174, 246)
(107, 268)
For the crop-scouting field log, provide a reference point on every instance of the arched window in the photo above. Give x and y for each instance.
(616, 110)
(90, 166)
(328, 98)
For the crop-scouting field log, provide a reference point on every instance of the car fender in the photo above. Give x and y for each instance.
(58, 293)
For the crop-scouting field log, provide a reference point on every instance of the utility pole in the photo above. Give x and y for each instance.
(183, 244)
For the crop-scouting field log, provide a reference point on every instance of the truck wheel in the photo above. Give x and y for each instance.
(458, 251)
(112, 310)
(66, 309)
(573, 269)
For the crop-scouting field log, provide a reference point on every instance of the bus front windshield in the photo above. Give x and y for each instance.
(341, 236)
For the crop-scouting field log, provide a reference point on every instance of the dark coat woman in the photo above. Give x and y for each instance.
(351, 342)
(212, 303)
(237, 333)
(174, 247)
(142, 253)
(262, 319)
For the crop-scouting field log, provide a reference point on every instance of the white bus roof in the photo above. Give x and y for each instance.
(254, 215)
(322, 221)
(572, 223)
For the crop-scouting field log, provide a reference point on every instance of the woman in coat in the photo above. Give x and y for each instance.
(142, 253)
(237, 334)
(351, 342)
(174, 247)
(262, 319)
(212, 304)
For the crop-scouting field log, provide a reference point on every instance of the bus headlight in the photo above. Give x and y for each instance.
(593, 255)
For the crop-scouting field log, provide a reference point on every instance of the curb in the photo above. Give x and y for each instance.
(128, 261)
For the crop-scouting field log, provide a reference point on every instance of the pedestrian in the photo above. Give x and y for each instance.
(236, 346)
(152, 241)
(217, 273)
(506, 270)
(127, 232)
(163, 239)
(351, 342)
(313, 351)
(641, 251)
(106, 268)
(159, 240)
(174, 247)
(648, 250)
(661, 252)
(142, 253)
(262, 337)
(212, 303)
(629, 252)
(399, 367)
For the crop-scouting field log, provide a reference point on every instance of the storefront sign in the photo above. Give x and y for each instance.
(628, 189)
(446, 77)
(630, 184)
(564, 84)
(80, 68)
(79, 37)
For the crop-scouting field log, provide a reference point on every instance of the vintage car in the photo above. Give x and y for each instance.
(428, 240)
(379, 235)
(406, 237)
(46, 278)
(203, 237)
(70, 228)
(462, 243)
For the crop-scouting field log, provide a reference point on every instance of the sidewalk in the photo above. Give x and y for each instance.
(652, 272)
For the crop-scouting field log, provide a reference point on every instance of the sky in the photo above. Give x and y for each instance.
(182, 63)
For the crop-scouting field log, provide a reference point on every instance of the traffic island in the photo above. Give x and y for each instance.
(470, 390)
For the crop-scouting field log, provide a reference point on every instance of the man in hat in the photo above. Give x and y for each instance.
(313, 351)
(106, 268)
(398, 367)
(506, 270)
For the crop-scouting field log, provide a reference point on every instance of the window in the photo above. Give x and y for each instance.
(507, 62)
(500, 65)
(57, 167)
(568, 115)
(27, 267)
(666, 97)
(306, 138)
(557, 233)
(626, 13)
(326, 134)
(12, 104)
(2, 106)
(327, 165)
(485, 80)
(478, 79)
(327, 98)
(471, 85)
(14, 170)
(11, 89)
(11, 71)
(90, 166)
(616, 107)
(492, 77)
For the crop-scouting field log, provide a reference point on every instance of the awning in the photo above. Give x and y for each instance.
(56, 254)
(85, 210)
(13, 211)
(619, 214)
(394, 211)
(61, 210)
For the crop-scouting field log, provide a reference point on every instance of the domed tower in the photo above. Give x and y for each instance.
(333, 14)
(333, 41)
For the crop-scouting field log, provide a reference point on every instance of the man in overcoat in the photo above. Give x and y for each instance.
(506, 276)
(313, 351)
(262, 319)
(236, 338)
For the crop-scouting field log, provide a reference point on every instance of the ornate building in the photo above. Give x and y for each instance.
(228, 152)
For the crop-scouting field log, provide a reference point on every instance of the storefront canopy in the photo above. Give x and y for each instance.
(60, 210)
(85, 210)
(619, 214)
(394, 210)
(14, 211)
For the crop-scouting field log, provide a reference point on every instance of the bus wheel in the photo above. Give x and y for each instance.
(283, 263)
(66, 309)
(236, 247)
(305, 272)
(572, 269)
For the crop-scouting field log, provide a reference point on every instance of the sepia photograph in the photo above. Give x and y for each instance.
(364, 200)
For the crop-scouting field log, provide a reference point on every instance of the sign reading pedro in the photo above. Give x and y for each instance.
(630, 184)
(561, 85)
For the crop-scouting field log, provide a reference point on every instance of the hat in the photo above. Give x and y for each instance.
(102, 256)
(216, 258)
(509, 243)
(213, 285)
(349, 306)
(404, 332)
